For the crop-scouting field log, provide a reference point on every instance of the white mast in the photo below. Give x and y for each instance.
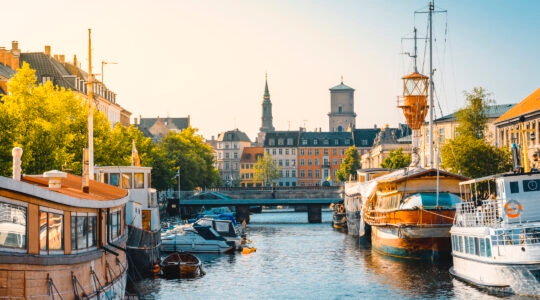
(90, 109)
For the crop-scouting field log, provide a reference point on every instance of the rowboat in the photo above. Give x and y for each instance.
(181, 264)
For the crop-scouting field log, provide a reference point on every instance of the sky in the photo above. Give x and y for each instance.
(208, 59)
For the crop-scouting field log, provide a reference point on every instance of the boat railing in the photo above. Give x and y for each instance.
(488, 213)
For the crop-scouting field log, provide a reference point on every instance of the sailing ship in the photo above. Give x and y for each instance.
(496, 233)
(410, 211)
(61, 236)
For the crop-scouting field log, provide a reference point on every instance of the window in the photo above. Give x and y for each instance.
(280, 142)
(235, 155)
(114, 179)
(83, 231)
(302, 162)
(317, 174)
(287, 151)
(309, 151)
(115, 228)
(309, 162)
(293, 173)
(51, 230)
(280, 151)
(293, 151)
(325, 142)
(514, 187)
(309, 173)
(316, 151)
(274, 152)
(286, 162)
(13, 229)
(315, 142)
(139, 180)
(289, 142)
(302, 174)
(316, 161)
(301, 151)
(347, 142)
(304, 142)
(325, 151)
(271, 142)
(334, 151)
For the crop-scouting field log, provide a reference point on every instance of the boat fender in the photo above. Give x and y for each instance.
(156, 268)
(513, 208)
(246, 250)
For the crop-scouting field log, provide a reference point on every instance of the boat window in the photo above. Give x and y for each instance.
(482, 246)
(514, 187)
(488, 248)
(115, 230)
(139, 180)
(476, 246)
(12, 226)
(460, 239)
(127, 180)
(83, 231)
(114, 179)
(51, 231)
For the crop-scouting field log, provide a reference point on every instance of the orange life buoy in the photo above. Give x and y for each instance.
(513, 209)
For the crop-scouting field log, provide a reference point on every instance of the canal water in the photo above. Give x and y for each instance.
(297, 260)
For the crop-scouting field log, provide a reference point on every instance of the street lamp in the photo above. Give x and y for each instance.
(102, 64)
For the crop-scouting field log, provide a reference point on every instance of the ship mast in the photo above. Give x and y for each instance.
(90, 109)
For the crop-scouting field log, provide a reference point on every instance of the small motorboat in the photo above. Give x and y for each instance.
(195, 239)
(181, 264)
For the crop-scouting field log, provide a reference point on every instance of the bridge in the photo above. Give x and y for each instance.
(313, 198)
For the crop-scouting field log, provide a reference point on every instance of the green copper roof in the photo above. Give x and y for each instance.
(342, 87)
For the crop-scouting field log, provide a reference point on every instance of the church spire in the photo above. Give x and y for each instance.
(266, 109)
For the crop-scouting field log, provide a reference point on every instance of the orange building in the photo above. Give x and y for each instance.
(249, 158)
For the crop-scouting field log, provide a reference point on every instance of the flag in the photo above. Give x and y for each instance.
(135, 160)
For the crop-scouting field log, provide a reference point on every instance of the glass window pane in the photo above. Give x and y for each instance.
(139, 180)
(43, 230)
(12, 226)
(56, 228)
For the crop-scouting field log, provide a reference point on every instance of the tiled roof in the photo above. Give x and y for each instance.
(250, 154)
(364, 138)
(233, 136)
(528, 105)
(285, 135)
(6, 71)
(494, 111)
(326, 139)
(46, 66)
(171, 123)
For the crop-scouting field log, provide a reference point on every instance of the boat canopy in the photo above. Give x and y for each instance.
(429, 200)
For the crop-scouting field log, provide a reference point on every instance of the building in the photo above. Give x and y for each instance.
(250, 156)
(157, 128)
(70, 76)
(282, 146)
(342, 116)
(230, 145)
(525, 117)
(267, 119)
(320, 155)
(386, 140)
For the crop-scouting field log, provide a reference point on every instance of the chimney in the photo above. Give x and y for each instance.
(48, 50)
(135, 121)
(62, 58)
(86, 170)
(75, 60)
(55, 178)
(15, 48)
(17, 154)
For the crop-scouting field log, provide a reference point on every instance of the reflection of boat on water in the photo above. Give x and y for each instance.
(58, 239)
(496, 234)
(142, 215)
(181, 264)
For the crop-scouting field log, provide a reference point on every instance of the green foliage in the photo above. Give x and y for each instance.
(188, 152)
(474, 158)
(396, 160)
(351, 163)
(469, 153)
(266, 169)
(473, 117)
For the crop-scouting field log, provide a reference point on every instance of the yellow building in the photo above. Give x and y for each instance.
(249, 158)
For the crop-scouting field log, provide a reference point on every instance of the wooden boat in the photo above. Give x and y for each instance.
(59, 237)
(496, 233)
(181, 264)
(142, 215)
(408, 214)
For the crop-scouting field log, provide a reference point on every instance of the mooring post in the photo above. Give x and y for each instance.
(314, 213)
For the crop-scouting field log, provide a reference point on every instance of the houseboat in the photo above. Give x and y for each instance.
(61, 236)
(142, 215)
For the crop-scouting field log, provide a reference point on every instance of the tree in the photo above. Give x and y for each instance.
(469, 153)
(185, 151)
(396, 159)
(266, 169)
(351, 163)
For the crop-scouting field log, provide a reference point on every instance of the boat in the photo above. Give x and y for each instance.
(181, 264)
(142, 215)
(195, 239)
(496, 233)
(227, 228)
(410, 212)
(339, 216)
(61, 236)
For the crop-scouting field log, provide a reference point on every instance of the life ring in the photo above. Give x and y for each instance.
(156, 269)
(513, 209)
